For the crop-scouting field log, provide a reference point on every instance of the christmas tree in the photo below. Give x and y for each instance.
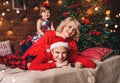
(97, 27)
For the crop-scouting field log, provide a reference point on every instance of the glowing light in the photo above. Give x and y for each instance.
(116, 26)
(11, 21)
(106, 25)
(2, 71)
(1, 18)
(7, 2)
(96, 8)
(89, 1)
(111, 30)
(117, 16)
(4, 3)
(90, 11)
(25, 20)
(13, 80)
(82, 18)
(46, 1)
(107, 18)
(10, 32)
(8, 10)
(3, 14)
(36, 8)
(107, 12)
(17, 11)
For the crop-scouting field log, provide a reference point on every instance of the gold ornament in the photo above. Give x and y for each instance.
(10, 32)
(90, 11)
(59, 2)
(36, 8)
(107, 12)
(25, 20)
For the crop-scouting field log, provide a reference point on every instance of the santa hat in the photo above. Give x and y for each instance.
(58, 42)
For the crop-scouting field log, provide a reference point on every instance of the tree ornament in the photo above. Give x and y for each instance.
(66, 13)
(59, 2)
(107, 12)
(90, 11)
(86, 21)
(46, 3)
(73, 6)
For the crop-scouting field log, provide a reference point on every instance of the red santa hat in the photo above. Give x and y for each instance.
(58, 42)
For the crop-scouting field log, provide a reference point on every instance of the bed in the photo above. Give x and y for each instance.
(107, 71)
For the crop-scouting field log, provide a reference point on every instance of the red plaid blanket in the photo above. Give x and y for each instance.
(14, 61)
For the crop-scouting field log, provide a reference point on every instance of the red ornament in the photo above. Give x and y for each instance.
(45, 4)
(65, 14)
(86, 21)
(73, 6)
(97, 33)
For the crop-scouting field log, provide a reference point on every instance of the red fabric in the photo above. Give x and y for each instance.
(14, 61)
(40, 48)
(97, 53)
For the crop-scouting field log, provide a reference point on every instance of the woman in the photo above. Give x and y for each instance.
(68, 30)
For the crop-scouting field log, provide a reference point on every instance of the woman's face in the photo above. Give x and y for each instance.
(69, 30)
(59, 53)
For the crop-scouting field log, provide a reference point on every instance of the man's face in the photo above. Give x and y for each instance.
(59, 53)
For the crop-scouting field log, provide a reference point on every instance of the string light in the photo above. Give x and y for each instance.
(116, 26)
(3, 14)
(17, 11)
(8, 10)
(96, 8)
(107, 18)
(7, 2)
(106, 25)
(117, 16)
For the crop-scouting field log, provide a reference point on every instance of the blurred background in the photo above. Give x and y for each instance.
(100, 20)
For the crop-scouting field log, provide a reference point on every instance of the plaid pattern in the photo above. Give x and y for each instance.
(46, 25)
(14, 61)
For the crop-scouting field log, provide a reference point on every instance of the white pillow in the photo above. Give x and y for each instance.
(5, 48)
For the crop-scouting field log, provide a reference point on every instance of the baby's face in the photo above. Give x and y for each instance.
(59, 53)
(45, 14)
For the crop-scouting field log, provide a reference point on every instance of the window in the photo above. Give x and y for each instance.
(18, 5)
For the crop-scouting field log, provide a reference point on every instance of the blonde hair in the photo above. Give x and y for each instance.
(67, 21)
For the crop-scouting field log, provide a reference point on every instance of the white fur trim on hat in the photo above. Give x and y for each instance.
(59, 44)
